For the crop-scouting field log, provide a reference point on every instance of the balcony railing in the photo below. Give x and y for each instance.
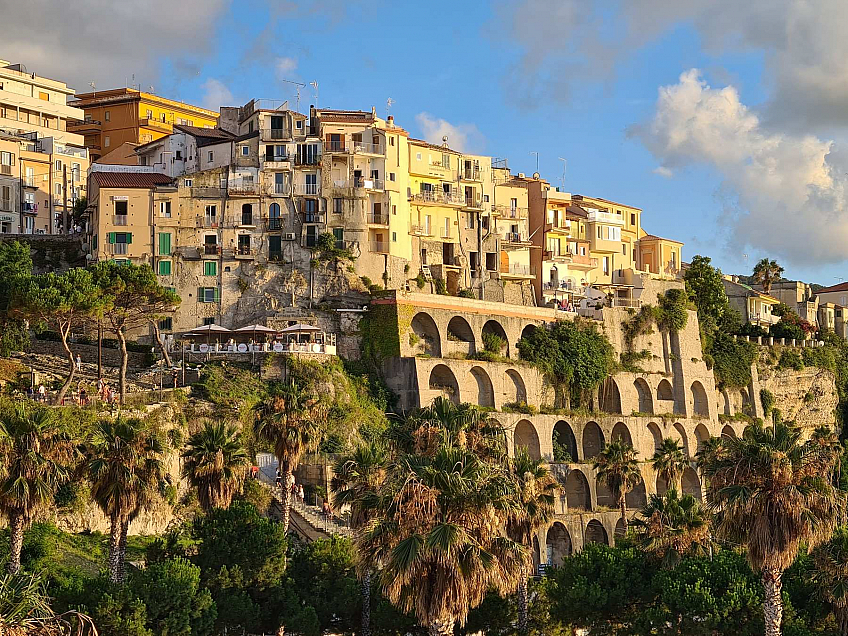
(630, 303)
(474, 203)
(29, 208)
(518, 270)
(211, 249)
(243, 250)
(606, 217)
(7, 170)
(432, 196)
(240, 186)
(509, 212)
(335, 146)
(307, 189)
(283, 189)
(420, 230)
(445, 233)
(515, 237)
(272, 134)
(378, 219)
(367, 149)
(166, 126)
(471, 174)
(380, 247)
(246, 220)
(29, 182)
(313, 217)
(563, 286)
(207, 221)
(119, 219)
(273, 223)
(307, 159)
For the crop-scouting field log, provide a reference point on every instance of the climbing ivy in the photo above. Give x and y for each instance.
(731, 360)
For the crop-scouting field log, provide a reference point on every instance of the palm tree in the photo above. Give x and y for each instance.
(773, 492)
(670, 526)
(767, 272)
(124, 465)
(618, 469)
(669, 462)
(287, 420)
(439, 535)
(214, 463)
(535, 489)
(35, 459)
(357, 479)
(25, 610)
(831, 574)
(461, 425)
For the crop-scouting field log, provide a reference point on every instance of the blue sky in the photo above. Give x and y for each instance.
(732, 161)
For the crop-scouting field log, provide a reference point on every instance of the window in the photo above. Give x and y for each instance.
(624, 248)
(486, 198)
(247, 214)
(164, 268)
(165, 209)
(43, 96)
(274, 221)
(179, 155)
(211, 215)
(149, 114)
(107, 116)
(187, 183)
(394, 237)
(245, 150)
(311, 235)
(106, 141)
(394, 210)
(606, 265)
(121, 208)
(391, 176)
(275, 248)
(338, 234)
(210, 268)
(166, 324)
(337, 205)
(210, 155)
(418, 156)
(162, 117)
(391, 141)
(164, 243)
(7, 159)
(208, 294)
(209, 321)
(632, 218)
(58, 165)
(58, 189)
(119, 241)
(446, 161)
(469, 221)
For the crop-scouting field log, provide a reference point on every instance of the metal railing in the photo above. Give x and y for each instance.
(307, 159)
(307, 188)
(207, 221)
(313, 217)
(335, 146)
(378, 218)
(420, 230)
(243, 250)
(119, 219)
(515, 237)
(29, 182)
(210, 249)
(471, 174)
(273, 223)
(368, 149)
(519, 270)
(274, 133)
(631, 303)
(282, 188)
(432, 196)
(380, 247)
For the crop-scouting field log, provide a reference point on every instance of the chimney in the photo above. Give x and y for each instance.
(373, 112)
(391, 121)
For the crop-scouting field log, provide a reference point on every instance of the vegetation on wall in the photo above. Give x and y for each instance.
(380, 330)
(731, 360)
(574, 355)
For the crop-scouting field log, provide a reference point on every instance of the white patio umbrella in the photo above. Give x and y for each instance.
(255, 329)
(208, 330)
(300, 327)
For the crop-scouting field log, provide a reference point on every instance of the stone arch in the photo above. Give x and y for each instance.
(700, 404)
(656, 434)
(528, 330)
(682, 438)
(525, 435)
(646, 400)
(514, 387)
(637, 498)
(746, 401)
(690, 483)
(609, 397)
(603, 495)
(563, 437)
(496, 328)
(247, 214)
(665, 396)
(535, 554)
(728, 408)
(427, 334)
(596, 533)
(577, 495)
(593, 440)
(442, 379)
(728, 431)
(558, 544)
(459, 329)
(619, 529)
(485, 390)
(621, 432)
(702, 436)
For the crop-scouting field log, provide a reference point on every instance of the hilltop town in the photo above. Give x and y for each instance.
(332, 244)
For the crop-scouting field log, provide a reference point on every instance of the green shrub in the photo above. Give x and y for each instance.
(441, 286)
(466, 293)
(671, 313)
(420, 280)
(767, 400)
(790, 360)
(492, 342)
(732, 359)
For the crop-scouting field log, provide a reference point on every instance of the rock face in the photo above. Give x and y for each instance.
(807, 397)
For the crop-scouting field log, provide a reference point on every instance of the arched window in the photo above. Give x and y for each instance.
(593, 440)
(246, 214)
(564, 443)
(274, 220)
(525, 436)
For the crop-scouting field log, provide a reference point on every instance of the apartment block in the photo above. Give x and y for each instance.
(30, 103)
(113, 117)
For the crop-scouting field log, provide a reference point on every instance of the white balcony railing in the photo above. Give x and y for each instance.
(367, 149)
(606, 217)
(519, 270)
(307, 188)
(119, 219)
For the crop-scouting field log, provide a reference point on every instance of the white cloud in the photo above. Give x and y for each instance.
(790, 190)
(216, 94)
(106, 41)
(285, 66)
(668, 173)
(462, 137)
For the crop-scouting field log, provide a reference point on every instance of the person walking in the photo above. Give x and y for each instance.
(300, 493)
(42, 393)
(79, 363)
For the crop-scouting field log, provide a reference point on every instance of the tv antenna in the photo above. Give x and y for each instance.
(389, 103)
(298, 86)
(315, 86)
(93, 87)
(533, 152)
(564, 166)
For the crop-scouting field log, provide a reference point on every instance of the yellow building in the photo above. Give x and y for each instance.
(659, 256)
(120, 115)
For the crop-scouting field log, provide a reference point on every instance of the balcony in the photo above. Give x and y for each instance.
(420, 230)
(211, 249)
(561, 227)
(88, 127)
(119, 219)
(6, 170)
(307, 189)
(380, 247)
(470, 174)
(313, 217)
(515, 238)
(241, 187)
(29, 208)
(581, 261)
(247, 220)
(155, 124)
(360, 148)
(518, 271)
(629, 303)
(599, 216)
(378, 219)
(474, 203)
(273, 224)
(438, 198)
(277, 162)
(281, 189)
(335, 147)
(307, 159)
(29, 182)
(203, 192)
(564, 286)
(445, 234)
(274, 134)
(246, 162)
(243, 252)
(207, 221)
(509, 212)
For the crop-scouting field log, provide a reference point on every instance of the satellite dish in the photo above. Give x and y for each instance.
(536, 175)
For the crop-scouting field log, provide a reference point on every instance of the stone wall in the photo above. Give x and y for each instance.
(807, 397)
(88, 353)
(52, 253)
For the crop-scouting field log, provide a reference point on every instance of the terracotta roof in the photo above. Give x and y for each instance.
(654, 237)
(581, 197)
(834, 288)
(345, 115)
(577, 211)
(130, 179)
(422, 142)
(210, 133)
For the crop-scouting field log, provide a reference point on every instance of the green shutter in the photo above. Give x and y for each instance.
(210, 268)
(200, 294)
(217, 294)
(129, 238)
(164, 268)
(164, 243)
(111, 236)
